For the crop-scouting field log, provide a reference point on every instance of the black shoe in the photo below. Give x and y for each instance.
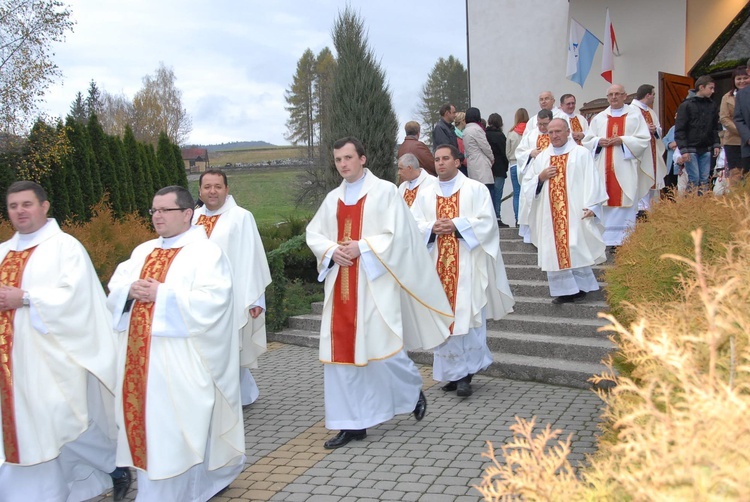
(501, 224)
(343, 438)
(121, 480)
(559, 300)
(421, 408)
(449, 387)
(464, 388)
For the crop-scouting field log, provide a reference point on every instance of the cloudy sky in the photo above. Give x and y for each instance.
(233, 60)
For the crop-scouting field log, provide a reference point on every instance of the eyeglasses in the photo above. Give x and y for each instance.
(154, 211)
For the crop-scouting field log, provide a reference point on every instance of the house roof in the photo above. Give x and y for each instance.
(194, 154)
(731, 48)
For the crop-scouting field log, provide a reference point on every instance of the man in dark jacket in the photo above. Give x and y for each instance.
(443, 134)
(697, 131)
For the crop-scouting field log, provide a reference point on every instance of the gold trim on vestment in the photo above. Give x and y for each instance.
(208, 222)
(558, 202)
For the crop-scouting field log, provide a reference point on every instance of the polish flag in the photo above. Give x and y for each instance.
(610, 49)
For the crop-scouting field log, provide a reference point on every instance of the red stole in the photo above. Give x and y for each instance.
(575, 126)
(542, 141)
(344, 312)
(652, 143)
(134, 384)
(11, 273)
(208, 222)
(410, 195)
(558, 202)
(615, 127)
(447, 245)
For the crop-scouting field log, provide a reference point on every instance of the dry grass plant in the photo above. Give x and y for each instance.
(680, 426)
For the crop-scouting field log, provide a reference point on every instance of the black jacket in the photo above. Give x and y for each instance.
(443, 134)
(496, 139)
(696, 129)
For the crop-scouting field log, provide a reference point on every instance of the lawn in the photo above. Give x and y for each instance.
(253, 155)
(267, 193)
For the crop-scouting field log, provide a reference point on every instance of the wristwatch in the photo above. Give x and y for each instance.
(26, 299)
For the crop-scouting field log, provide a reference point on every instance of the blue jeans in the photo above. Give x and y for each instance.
(698, 168)
(516, 188)
(497, 194)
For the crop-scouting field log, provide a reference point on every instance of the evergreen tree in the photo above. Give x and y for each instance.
(77, 208)
(165, 155)
(82, 160)
(301, 104)
(134, 158)
(78, 109)
(148, 181)
(93, 100)
(447, 82)
(49, 172)
(360, 102)
(325, 68)
(158, 176)
(124, 177)
(104, 164)
(179, 166)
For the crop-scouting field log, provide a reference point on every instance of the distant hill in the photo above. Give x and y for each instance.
(234, 145)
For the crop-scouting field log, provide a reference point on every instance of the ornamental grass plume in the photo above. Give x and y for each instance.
(678, 428)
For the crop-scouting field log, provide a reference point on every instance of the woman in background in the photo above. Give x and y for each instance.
(497, 141)
(514, 138)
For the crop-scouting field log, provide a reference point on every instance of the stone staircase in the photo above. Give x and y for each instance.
(539, 341)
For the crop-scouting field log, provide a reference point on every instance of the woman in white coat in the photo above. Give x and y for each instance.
(478, 153)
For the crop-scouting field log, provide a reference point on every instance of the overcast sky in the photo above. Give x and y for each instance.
(233, 60)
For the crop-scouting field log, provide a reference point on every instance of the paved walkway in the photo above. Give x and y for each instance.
(435, 460)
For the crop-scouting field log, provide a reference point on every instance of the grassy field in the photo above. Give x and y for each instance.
(267, 193)
(252, 155)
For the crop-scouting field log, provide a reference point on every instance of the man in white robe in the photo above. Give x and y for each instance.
(234, 230)
(619, 137)
(413, 178)
(531, 145)
(577, 122)
(459, 226)
(57, 363)
(381, 298)
(652, 160)
(567, 194)
(546, 102)
(177, 398)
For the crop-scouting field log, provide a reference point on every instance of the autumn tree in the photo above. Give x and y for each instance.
(360, 102)
(325, 68)
(300, 99)
(28, 29)
(446, 83)
(158, 107)
(116, 113)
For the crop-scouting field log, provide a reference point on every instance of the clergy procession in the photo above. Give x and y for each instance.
(148, 383)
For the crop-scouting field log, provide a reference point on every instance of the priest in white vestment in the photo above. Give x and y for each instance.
(382, 297)
(233, 228)
(459, 226)
(577, 122)
(618, 138)
(413, 178)
(653, 159)
(546, 102)
(57, 362)
(531, 145)
(177, 399)
(567, 196)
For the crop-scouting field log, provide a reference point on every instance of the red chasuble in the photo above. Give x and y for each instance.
(575, 126)
(447, 261)
(410, 195)
(615, 126)
(208, 222)
(652, 143)
(11, 273)
(558, 201)
(136, 359)
(344, 312)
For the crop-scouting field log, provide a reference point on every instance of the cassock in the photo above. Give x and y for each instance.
(234, 230)
(409, 190)
(620, 167)
(471, 270)
(577, 123)
(177, 399)
(557, 113)
(532, 141)
(653, 158)
(57, 373)
(567, 244)
(388, 301)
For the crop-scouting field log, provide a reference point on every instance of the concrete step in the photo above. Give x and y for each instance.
(519, 258)
(508, 245)
(540, 289)
(510, 233)
(299, 337)
(548, 325)
(584, 349)
(536, 306)
(532, 272)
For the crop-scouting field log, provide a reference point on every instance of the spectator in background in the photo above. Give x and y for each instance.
(514, 138)
(412, 145)
(731, 139)
(742, 121)
(444, 134)
(674, 160)
(479, 157)
(460, 123)
(497, 141)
